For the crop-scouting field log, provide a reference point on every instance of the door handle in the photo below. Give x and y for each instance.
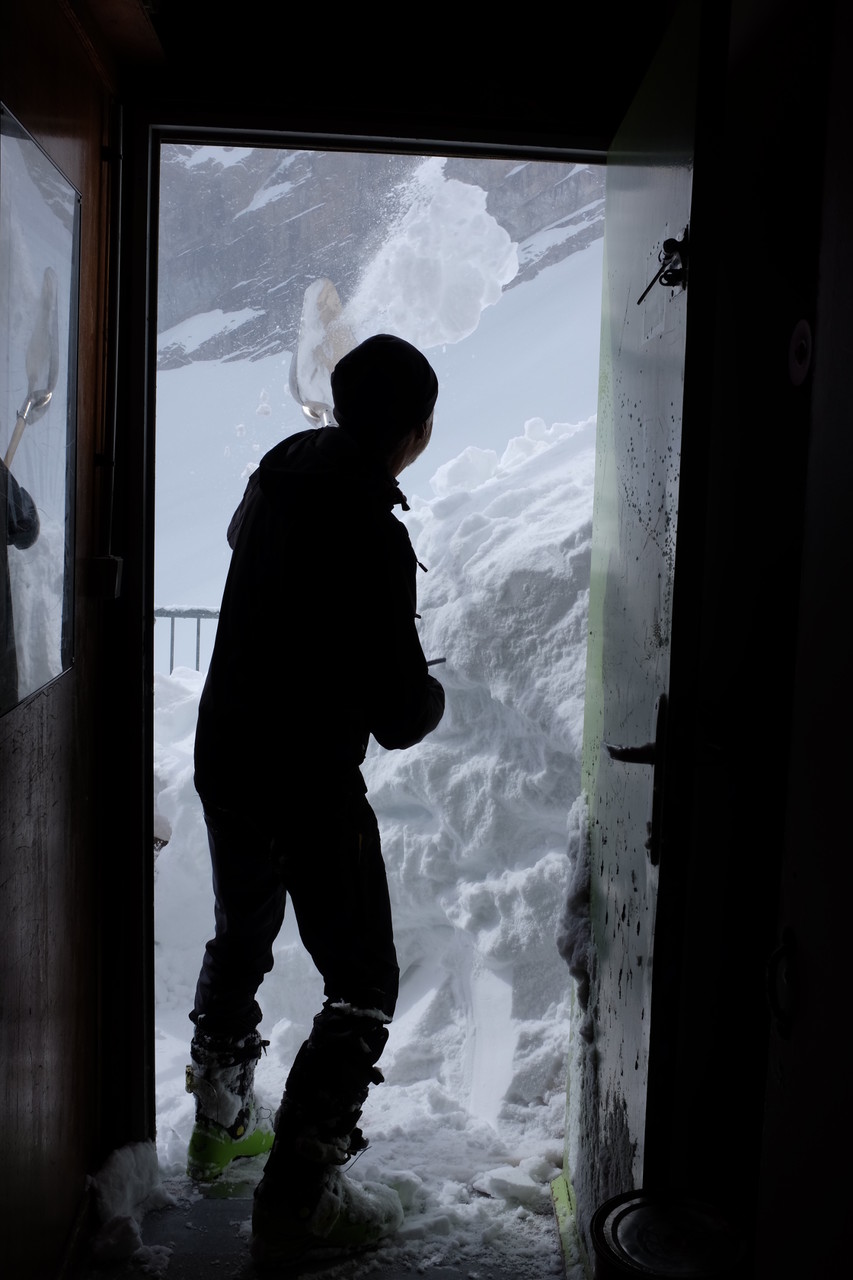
(646, 754)
(649, 753)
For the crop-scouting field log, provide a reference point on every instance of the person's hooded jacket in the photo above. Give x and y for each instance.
(316, 646)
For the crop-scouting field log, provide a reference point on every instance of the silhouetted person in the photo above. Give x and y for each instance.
(316, 649)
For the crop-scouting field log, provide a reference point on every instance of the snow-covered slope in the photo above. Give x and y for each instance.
(243, 231)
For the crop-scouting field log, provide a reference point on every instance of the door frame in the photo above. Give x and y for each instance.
(143, 131)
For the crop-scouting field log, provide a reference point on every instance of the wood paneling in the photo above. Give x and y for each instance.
(49, 918)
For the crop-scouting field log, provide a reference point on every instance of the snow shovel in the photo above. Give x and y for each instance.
(323, 339)
(42, 362)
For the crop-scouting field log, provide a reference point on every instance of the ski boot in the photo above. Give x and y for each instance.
(305, 1204)
(227, 1123)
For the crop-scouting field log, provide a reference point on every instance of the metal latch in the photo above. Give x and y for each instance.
(673, 258)
(649, 753)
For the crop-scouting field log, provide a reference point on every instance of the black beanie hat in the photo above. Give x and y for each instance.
(383, 388)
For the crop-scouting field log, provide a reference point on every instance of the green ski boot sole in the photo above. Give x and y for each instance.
(212, 1149)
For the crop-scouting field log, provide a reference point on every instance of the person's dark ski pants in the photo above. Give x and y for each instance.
(326, 855)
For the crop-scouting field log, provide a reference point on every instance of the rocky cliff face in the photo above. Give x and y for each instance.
(249, 229)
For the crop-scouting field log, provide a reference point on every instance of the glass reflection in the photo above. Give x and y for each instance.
(39, 230)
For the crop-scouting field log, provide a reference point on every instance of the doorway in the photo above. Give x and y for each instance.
(493, 268)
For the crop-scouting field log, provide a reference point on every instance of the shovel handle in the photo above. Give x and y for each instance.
(34, 407)
(15, 441)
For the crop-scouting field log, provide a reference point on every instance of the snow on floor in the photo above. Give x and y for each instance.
(469, 1124)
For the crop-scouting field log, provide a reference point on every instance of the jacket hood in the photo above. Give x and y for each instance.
(327, 465)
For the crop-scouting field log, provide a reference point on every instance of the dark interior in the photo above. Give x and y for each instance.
(745, 1096)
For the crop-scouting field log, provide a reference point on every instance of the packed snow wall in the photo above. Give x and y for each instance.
(474, 830)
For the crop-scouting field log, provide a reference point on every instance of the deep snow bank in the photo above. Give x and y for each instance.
(474, 823)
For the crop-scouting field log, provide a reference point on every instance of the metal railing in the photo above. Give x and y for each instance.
(174, 615)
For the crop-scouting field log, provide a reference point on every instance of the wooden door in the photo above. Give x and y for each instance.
(646, 300)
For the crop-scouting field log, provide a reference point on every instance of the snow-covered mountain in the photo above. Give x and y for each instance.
(243, 231)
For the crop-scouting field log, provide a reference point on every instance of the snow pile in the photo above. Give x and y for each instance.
(468, 1127)
(126, 1187)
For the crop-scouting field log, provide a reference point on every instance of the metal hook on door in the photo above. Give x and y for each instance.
(673, 258)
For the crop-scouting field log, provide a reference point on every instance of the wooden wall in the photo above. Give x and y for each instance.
(53, 80)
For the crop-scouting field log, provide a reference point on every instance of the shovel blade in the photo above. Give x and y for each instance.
(324, 337)
(42, 359)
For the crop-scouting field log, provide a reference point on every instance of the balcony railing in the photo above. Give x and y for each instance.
(174, 615)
